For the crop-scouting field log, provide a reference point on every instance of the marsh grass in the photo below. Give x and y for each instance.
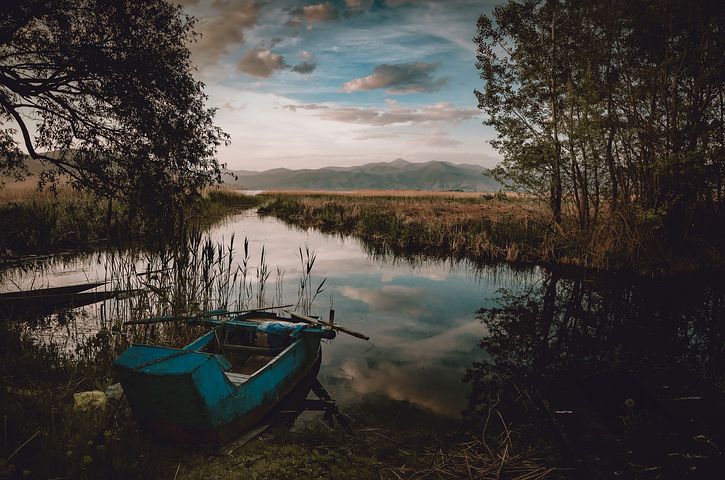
(44, 221)
(488, 228)
(39, 377)
(306, 292)
(446, 226)
(190, 277)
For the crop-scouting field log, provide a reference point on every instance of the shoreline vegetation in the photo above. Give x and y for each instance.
(46, 434)
(43, 222)
(482, 227)
(489, 227)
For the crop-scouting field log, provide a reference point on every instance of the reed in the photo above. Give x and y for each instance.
(474, 227)
(184, 277)
(306, 293)
(490, 227)
(47, 221)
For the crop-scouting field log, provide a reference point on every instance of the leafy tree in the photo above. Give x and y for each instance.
(106, 87)
(613, 100)
(520, 65)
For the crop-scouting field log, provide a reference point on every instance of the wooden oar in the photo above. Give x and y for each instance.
(210, 313)
(334, 326)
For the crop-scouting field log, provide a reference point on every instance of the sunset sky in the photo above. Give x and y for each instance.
(303, 85)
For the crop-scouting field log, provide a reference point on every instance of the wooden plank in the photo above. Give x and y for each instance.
(337, 327)
(249, 348)
(237, 378)
(41, 292)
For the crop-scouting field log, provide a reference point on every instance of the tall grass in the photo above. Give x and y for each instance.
(486, 228)
(478, 227)
(34, 221)
(306, 293)
(183, 278)
(197, 275)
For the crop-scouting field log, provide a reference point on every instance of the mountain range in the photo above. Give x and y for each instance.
(396, 175)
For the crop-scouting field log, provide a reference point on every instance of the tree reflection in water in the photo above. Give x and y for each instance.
(564, 329)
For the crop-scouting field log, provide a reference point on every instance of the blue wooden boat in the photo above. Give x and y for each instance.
(223, 382)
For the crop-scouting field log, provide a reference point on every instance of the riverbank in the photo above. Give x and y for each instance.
(44, 222)
(486, 228)
(404, 394)
(48, 435)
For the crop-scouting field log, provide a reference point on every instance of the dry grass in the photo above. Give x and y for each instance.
(389, 193)
(482, 227)
(476, 460)
(45, 221)
(26, 190)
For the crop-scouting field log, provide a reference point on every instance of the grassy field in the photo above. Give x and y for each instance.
(389, 193)
(484, 227)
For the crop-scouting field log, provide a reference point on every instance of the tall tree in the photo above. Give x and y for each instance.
(519, 60)
(609, 99)
(102, 93)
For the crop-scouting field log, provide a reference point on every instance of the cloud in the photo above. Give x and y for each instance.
(260, 62)
(307, 65)
(304, 67)
(395, 3)
(400, 78)
(394, 114)
(389, 298)
(440, 141)
(232, 106)
(358, 4)
(429, 137)
(309, 14)
(222, 29)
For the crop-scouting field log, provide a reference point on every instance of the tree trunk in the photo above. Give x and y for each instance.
(556, 158)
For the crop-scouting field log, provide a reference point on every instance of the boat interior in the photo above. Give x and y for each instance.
(242, 348)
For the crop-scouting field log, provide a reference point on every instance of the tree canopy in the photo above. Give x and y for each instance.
(609, 104)
(106, 87)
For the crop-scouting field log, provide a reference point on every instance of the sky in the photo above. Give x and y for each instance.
(300, 84)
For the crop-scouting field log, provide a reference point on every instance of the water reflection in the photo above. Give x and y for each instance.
(421, 317)
(628, 371)
(585, 325)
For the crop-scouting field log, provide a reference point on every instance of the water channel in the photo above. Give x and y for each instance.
(433, 324)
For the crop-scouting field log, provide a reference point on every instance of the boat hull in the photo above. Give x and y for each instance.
(187, 397)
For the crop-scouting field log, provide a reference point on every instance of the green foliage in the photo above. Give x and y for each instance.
(609, 105)
(74, 220)
(117, 107)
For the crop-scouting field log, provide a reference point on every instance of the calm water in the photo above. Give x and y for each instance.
(428, 322)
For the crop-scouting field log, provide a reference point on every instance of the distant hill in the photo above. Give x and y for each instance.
(396, 175)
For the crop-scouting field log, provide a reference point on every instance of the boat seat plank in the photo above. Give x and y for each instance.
(237, 378)
(248, 348)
